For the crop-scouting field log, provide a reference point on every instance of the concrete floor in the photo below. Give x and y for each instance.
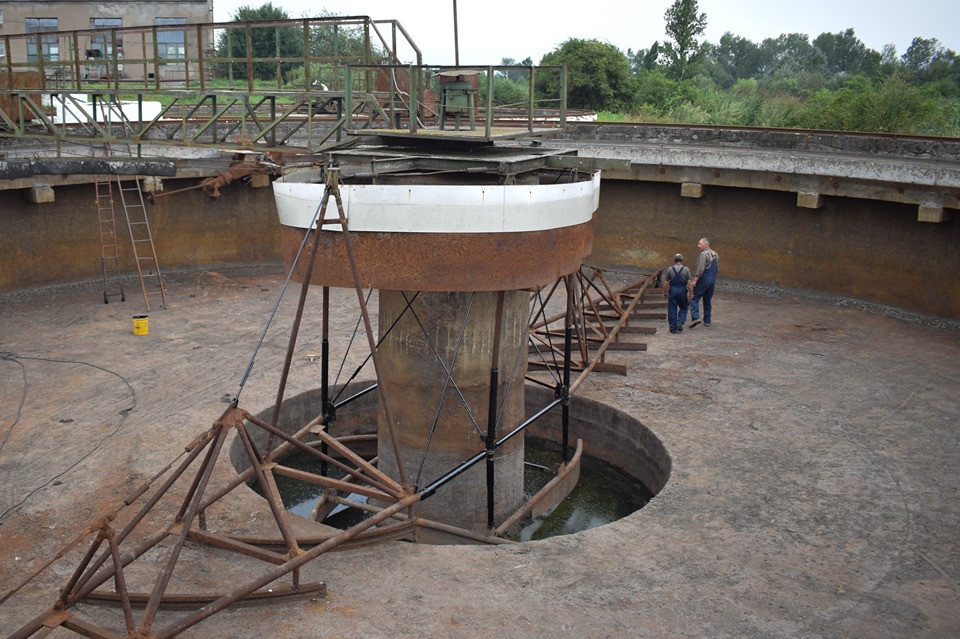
(814, 490)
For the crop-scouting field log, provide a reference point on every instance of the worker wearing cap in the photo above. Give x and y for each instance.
(678, 289)
(703, 283)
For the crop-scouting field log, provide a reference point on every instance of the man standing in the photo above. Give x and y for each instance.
(677, 288)
(703, 282)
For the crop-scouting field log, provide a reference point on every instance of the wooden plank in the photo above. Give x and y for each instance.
(627, 346)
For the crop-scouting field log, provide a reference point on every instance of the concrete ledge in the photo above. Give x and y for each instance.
(40, 194)
(691, 189)
(807, 200)
(933, 213)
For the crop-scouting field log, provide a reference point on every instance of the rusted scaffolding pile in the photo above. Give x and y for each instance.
(116, 555)
(603, 316)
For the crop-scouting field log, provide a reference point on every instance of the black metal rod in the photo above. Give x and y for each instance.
(491, 442)
(503, 440)
(451, 475)
(565, 387)
(295, 330)
(325, 370)
(356, 396)
(459, 470)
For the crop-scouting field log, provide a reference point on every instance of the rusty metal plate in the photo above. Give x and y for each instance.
(443, 262)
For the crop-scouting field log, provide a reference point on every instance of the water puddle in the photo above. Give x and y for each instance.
(603, 494)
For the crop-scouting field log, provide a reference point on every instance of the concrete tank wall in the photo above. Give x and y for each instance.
(42, 244)
(870, 250)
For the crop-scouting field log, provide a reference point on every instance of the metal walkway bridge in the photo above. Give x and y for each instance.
(290, 86)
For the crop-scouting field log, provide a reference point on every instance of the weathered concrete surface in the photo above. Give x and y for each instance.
(814, 490)
(17, 168)
(44, 244)
(875, 251)
(857, 165)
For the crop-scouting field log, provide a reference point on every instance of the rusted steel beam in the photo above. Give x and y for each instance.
(83, 627)
(384, 396)
(613, 333)
(226, 542)
(126, 558)
(380, 533)
(120, 583)
(94, 527)
(365, 471)
(330, 482)
(389, 484)
(83, 586)
(626, 346)
(153, 605)
(295, 330)
(190, 601)
(272, 575)
(270, 491)
(78, 573)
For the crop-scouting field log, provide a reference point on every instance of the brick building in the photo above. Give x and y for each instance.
(102, 35)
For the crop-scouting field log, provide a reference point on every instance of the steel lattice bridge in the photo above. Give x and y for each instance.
(236, 86)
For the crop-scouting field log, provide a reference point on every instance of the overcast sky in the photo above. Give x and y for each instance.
(490, 30)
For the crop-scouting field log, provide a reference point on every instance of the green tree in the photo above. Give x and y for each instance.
(655, 90)
(275, 42)
(790, 54)
(644, 59)
(339, 45)
(736, 57)
(598, 76)
(685, 24)
(844, 54)
(520, 76)
(928, 61)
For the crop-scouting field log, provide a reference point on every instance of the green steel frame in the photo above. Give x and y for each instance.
(350, 77)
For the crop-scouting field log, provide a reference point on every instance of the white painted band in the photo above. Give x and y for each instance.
(443, 208)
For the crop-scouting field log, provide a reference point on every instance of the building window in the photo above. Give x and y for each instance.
(48, 44)
(171, 44)
(102, 42)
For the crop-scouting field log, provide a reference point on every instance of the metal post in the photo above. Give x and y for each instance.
(414, 80)
(456, 39)
(295, 331)
(325, 369)
(347, 99)
(565, 387)
(489, 119)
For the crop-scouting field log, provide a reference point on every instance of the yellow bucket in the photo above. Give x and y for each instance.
(140, 325)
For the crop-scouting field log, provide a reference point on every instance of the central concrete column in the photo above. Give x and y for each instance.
(436, 431)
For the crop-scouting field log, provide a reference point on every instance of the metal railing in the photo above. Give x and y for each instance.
(277, 85)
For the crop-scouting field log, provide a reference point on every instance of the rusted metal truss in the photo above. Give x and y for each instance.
(170, 511)
(603, 315)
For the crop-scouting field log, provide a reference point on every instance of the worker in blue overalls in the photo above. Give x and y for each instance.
(703, 283)
(678, 289)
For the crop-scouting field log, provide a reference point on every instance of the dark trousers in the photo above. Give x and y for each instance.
(677, 307)
(704, 290)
